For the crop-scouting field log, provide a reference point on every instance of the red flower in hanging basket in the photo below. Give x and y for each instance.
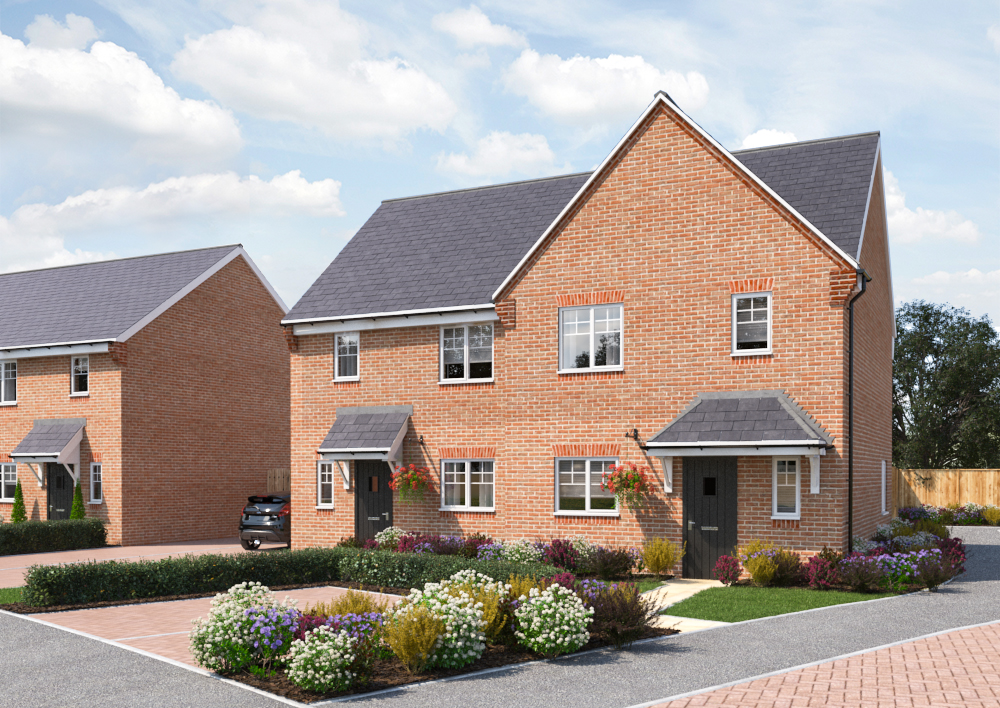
(410, 481)
(629, 483)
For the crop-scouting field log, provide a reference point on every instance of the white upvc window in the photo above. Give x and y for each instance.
(590, 338)
(751, 324)
(8, 483)
(466, 353)
(346, 356)
(8, 383)
(80, 375)
(578, 487)
(786, 488)
(96, 483)
(467, 485)
(324, 485)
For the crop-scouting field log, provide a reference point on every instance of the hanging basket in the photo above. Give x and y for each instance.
(410, 481)
(629, 483)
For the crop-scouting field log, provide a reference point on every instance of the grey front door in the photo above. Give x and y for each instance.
(709, 512)
(60, 491)
(372, 498)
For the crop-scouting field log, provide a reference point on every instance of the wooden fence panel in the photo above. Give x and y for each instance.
(278, 481)
(944, 487)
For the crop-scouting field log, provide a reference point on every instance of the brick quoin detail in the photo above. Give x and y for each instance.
(586, 450)
(755, 285)
(602, 298)
(507, 312)
(460, 453)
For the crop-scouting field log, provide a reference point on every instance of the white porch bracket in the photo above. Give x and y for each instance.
(37, 473)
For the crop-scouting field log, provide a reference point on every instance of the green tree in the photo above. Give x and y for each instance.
(945, 389)
(18, 514)
(77, 512)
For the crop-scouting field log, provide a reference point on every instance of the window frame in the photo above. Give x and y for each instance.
(73, 391)
(468, 485)
(587, 511)
(320, 464)
(3, 379)
(621, 342)
(99, 468)
(5, 468)
(336, 356)
(770, 323)
(467, 364)
(775, 514)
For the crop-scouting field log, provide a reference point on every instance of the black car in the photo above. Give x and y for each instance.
(266, 518)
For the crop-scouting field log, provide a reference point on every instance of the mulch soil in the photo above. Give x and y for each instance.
(24, 609)
(390, 673)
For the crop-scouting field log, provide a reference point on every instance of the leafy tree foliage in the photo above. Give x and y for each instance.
(18, 513)
(946, 389)
(77, 511)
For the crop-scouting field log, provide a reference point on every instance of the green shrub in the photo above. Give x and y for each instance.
(45, 536)
(77, 512)
(660, 555)
(621, 614)
(991, 515)
(18, 515)
(410, 570)
(933, 527)
(412, 637)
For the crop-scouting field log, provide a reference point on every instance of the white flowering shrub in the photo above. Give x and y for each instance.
(521, 552)
(322, 661)
(389, 536)
(553, 621)
(224, 641)
(581, 545)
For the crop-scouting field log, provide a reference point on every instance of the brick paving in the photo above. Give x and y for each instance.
(960, 668)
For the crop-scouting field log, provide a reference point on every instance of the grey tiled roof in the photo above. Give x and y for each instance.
(742, 416)
(94, 301)
(371, 428)
(49, 436)
(824, 180)
(440, 250)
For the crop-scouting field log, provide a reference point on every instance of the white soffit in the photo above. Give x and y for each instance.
(54, 350)
(481, 313)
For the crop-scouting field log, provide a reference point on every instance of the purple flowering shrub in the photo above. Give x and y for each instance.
(821, 573)
(953, 552)
(862, 573)
(490, 551)
(271, 632)
(608, 563)
(727, 570)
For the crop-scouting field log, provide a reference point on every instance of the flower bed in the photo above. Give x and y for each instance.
(968, 514)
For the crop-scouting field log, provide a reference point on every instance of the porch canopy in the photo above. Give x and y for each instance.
(52, 440)
(728, 423)
(367, 433)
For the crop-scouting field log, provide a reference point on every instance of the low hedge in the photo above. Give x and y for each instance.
(82, 583)
(44, 536)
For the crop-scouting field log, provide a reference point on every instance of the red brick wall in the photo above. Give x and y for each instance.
(205, 413)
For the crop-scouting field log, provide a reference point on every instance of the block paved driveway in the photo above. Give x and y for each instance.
(45, 665)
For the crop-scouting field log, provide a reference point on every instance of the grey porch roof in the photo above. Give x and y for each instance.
(373, 428)
(454, 249)
(749, 417)
(94, 302)
(49, 437)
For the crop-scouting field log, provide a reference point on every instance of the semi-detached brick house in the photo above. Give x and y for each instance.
(682, 307)
(159, 384)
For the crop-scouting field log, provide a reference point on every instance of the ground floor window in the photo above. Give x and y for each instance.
(785, 488)
(467, 484)
(578, 486)
(324, 484)
(8, 483)
(96, 487)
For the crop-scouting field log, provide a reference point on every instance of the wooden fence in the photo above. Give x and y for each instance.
(279, 481)
(944, 487)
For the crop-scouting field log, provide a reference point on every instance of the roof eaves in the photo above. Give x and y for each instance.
(398, 313)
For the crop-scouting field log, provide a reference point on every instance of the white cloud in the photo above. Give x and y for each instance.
(472, 27)
(912, 226)
(767, 136)
(67, 92)
(305, 62)
(993, 34)
(501, 153)
(47, 33)
(973, 289)
(34, 233)
(587, 92)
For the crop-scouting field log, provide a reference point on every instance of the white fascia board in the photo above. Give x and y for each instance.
(397, 313)
(346, 456)
(485, 313)
(216, 267)
(868, 201)
(657, 100)
(353, 450)
(30, 457)
(41, 350)
(737, 443)
(803, 450)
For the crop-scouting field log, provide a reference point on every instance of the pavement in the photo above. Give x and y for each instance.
(686, 666)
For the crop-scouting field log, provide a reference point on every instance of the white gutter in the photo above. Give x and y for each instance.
(397, 313)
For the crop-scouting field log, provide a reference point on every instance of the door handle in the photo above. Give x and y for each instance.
(386, 515)
(690, 525)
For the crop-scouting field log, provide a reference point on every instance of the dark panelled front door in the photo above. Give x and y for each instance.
(372, 498)
(60, 496)
(709, 512)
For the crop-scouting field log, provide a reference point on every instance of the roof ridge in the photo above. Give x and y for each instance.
(806, 142)
(126, 258)
(485, 186)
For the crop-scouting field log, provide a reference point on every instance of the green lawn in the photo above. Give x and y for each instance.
(649, 583)
(738, 603)
(10, 595)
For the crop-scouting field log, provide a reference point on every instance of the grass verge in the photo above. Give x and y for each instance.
(8, 595)
(649, 584)
(739, 603)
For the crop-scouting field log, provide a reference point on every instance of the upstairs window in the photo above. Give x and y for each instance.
(8, 483)
(467, 353)
(80, 375)
(8, 382)
(345, 366)
(590, 338)
(751, 324)
(96, 488)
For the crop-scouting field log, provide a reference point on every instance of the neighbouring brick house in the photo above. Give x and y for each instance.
(682, 307)
(158, 383)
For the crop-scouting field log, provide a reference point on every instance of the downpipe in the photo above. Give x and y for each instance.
(864, 278)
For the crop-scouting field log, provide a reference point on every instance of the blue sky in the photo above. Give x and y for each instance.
(129, 128)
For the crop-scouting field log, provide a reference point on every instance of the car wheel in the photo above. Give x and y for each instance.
(250, 544)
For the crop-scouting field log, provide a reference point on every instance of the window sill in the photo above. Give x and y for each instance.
(85, 394)
(8, 404)
(346, 379)
(470, 509)
(456, 382)
(752, 352)
(324, 507)
(611, 514)
(95, 503)
(786, 517)
(594, 370)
